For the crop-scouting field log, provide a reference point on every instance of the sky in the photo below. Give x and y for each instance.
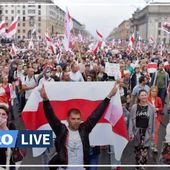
(101, 15)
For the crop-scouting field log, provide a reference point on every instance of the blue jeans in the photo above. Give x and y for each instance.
(94, 157)
(93, 161)
(162, 94)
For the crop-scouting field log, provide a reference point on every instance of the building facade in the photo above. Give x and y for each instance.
(36, 15)
(148, 22)
(123, 30)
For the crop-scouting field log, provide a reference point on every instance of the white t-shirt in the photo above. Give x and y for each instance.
(29, 83)
(75, 150)
(76, 76)
(42, 80)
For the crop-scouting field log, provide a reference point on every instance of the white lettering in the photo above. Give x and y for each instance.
(37, 141)
(23, 140)
(46, 139)
(7, 142)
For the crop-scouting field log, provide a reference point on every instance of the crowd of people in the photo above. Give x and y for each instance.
(144, 95)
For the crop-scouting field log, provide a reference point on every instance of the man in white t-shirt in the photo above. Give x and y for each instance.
(75, 74)
(29, 82)
(72, 141)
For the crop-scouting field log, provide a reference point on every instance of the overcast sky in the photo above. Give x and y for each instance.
(102, 15)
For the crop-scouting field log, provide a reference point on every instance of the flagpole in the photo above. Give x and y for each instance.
(77, 45)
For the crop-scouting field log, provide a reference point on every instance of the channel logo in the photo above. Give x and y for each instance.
(26, 138)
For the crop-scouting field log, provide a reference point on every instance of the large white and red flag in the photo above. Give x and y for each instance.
(68, 25)
(12, 28)
(2, 27)
(111, 128)
(131, 44)
(99, 43)
(152, 67)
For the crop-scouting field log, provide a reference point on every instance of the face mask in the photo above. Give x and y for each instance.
(48, 74)
(3, 120)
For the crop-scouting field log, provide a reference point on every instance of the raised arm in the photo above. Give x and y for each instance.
(99, 111)
(53, 120)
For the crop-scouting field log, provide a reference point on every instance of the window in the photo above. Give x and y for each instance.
(39, 6)
(18, 31)
(23, 12)
(31, 21)
(18, 11)
(39, 24)
(31, 11)
(31, 5)
(23, 19)
(18, 24)
(23, 24)
(23, 6)
(12, 18)
(6, 11)
(39, 18)
(12, 12)
(39, 30)
(18, 37)
(39, 12)
(23, 31)
(159, 32)
(6, 18)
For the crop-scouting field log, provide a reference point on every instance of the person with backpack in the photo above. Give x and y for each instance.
(30, 81)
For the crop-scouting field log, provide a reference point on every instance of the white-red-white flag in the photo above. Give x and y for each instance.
(166, 27)
(12, 28)
(131, 44)
(2, 27)
(48, 39)
(152, 67)
(14, 50)
(100, 36)
(97, 47)
(68, 25)
(110, 129)
(53, 48)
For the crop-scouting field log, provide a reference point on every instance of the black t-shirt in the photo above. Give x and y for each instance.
(142, 117)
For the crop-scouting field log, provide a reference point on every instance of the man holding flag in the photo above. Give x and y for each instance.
(72, 143)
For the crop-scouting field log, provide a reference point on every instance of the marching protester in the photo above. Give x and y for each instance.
(142, 85)
(5, 153)
(161, 79)
(157, 103)
(76, 134)
(141, 127)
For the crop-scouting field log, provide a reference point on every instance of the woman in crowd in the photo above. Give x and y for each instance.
(5, 154)
(141, 123)
(157, 103)
(7, 94)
